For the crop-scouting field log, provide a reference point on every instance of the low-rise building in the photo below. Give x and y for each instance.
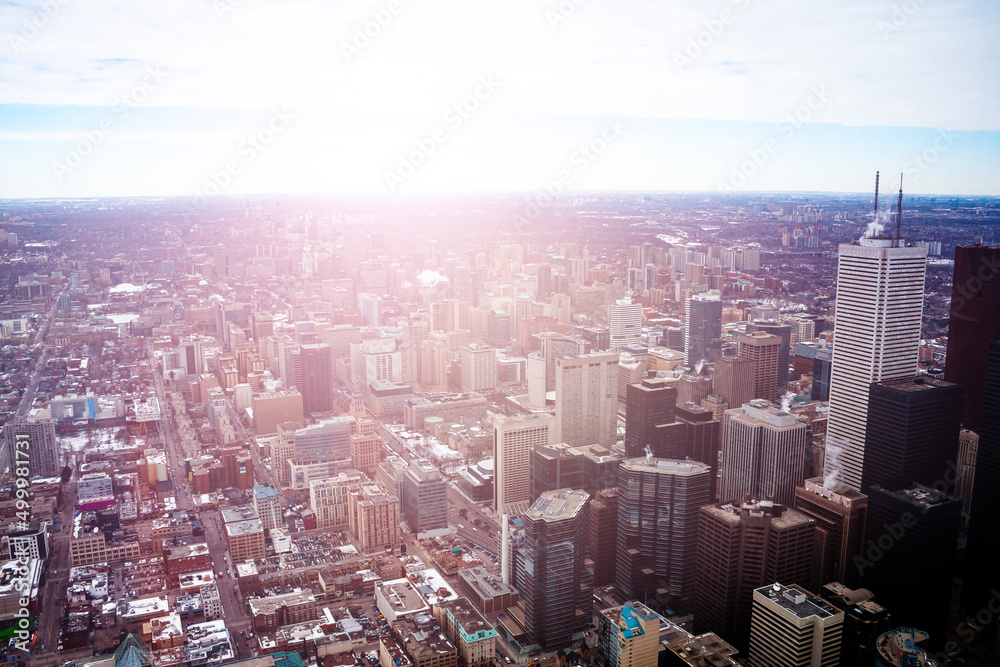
(245, 540)
(466, 628)
(274, 611)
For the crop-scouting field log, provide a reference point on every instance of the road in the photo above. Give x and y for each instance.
(29, 392)
(261, 473)
(233, 608)
(175, 457)
(55, 585)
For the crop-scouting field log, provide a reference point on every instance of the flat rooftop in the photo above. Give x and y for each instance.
(239, 513)
(237, 528)
(485, 583)
(674, 466)
(917, 384)
(467, 616)
(558, 505)
(797, 600)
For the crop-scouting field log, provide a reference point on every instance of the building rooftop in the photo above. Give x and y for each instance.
(269, 605)
(797, 600)
(558, 505)
(923, 496)
(485, 583)
(675, 466)
(466, 616)
(763, 411)
(242, 513)
(840, 493)
(915, 384)
(237, 528)
(899, 648)
(707, 650)
(402, 597)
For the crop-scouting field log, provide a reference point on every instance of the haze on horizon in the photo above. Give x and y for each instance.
(452, 96)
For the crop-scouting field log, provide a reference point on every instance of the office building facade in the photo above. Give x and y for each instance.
(765, 452)
(702, 330)
(587, 399)
(880, 296)
(741, 547)
(658, 513)
(974, 321)
(791, 627)
(552, 577)
(912, 435)
(514, 439)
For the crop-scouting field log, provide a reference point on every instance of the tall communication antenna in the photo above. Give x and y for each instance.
(899, 213)
(876, 195)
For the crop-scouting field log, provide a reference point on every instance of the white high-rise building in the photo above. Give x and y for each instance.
(479, 368)
(626, 323)
(514, 438)
(880, 296)
(791, 627)
(587, 399)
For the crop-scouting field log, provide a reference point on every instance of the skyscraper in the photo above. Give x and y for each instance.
(552, 578)
(423, 499)
(42, 450)
(982, 575)
(544, 280)
(317, 378)
(741, 547)
(625, 319)
(880, 295)
(733, 380)
(498, 328)
(604, 534)
(658, 505)
(764, 350)
(587, 399)
(514, 438)
(554, 467)
(840, 528)
(479, 368)
(650, 420)
(792, 627)
(764, 453)
(701, 438)
(702, 330)
(910, 546)
(974, 321)
(913, 435)
(784, 334)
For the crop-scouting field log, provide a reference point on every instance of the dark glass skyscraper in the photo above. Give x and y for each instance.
(909, 555)
(555, 467)
(650, 419)
(743, 546)
(702, 330)
(554, 583)
(982, 576)
(658, 504)
(912, 433)
(317, 378)
(974, 322)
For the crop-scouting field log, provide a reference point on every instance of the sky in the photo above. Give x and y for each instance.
(390, 97)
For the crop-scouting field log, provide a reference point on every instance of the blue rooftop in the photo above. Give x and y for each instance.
(632, 627)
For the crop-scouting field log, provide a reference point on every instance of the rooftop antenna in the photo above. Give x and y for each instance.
(899, 212)
(876, 195)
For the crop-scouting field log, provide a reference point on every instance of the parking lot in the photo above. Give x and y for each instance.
(145, 576)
